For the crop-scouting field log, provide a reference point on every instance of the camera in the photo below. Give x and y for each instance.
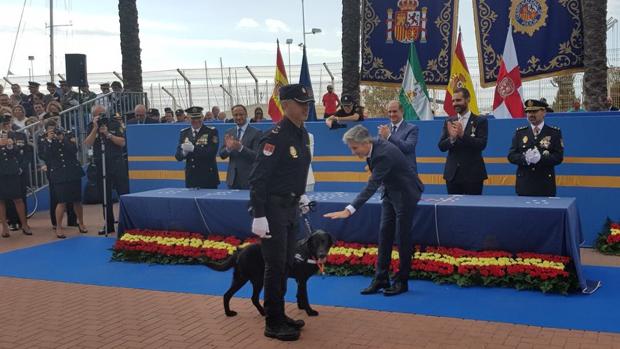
(104, 120)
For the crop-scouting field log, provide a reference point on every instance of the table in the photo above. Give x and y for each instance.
(508, 223)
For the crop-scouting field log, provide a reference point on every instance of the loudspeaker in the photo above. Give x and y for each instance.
(75, 67)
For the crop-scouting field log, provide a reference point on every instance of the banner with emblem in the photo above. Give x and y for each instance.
(390, 26)
(547, 34)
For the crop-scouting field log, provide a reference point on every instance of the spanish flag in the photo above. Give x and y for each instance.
(275, 108)
(459, 77)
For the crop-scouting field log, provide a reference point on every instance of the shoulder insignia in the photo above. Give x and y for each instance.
(555, 128)
(185, 129)
(522, 128)
(211, 127)
(268, 149)
(276, 129)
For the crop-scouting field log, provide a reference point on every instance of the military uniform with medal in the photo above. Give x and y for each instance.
(198, 146)
(536, 149)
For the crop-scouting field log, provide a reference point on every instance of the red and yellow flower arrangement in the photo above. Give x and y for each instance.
(547, 273)
(608, 241)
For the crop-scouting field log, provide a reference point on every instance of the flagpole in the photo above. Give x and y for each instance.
(303, 20)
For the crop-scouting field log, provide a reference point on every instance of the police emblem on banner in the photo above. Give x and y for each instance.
(407, 24)
(527, 16)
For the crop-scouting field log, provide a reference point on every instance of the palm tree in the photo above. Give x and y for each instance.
(351, 20)
(130, 45)
(595, 57)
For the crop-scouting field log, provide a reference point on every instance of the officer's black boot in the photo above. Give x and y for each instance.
(281, 331)
(297, 324)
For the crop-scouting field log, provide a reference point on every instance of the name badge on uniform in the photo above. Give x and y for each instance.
(293, 152)
(268, 149)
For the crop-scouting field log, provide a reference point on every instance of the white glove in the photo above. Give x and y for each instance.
(528, 156)
(535, 156)
(303, 204)
(187, 147)
(260, 228)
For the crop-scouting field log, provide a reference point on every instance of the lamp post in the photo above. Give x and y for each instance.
(289, 42)
(303, 21)
(31, 59)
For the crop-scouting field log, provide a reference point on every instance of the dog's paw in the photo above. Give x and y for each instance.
(231, 313)
(312, 312)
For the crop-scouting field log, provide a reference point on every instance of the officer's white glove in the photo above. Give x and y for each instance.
(303, 204)
(187, 148)
(535, 156)
(260, 228)
(528, 156)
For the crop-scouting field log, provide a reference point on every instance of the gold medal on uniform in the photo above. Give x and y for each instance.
(293, 152)
(524, 141)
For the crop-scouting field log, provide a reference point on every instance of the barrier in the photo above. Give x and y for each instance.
(590, 172)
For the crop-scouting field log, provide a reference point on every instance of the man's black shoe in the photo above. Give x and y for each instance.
(14, 227)
(396, 289)
(102, 232)
(282, 332)
(375, 287)
(296, 324)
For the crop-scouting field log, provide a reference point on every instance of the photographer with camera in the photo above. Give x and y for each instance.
(107, 137)
(65, 173)
(10, 182)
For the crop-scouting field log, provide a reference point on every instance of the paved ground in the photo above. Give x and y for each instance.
(40, 314)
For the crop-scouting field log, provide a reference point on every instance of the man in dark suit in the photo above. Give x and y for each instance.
(240, 145)
(464, 138)
(402, 190)
(536, 149)
(198, 146)
(402, 134)
(140, 117)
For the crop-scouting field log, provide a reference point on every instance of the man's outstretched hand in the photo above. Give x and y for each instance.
(338, 215)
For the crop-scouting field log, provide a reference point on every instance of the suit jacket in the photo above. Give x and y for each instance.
(200, 165)
(464, 162)
(240, 163)
(537, 179)
(390, 169)
(406, 138)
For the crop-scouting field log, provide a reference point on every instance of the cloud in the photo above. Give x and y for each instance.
(247, 23)
(276, 26)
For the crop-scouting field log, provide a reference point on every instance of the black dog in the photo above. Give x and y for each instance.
(250, 266)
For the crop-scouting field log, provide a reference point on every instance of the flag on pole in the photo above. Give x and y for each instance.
(304, 79)
(459, 77)
(508, 102)
(413, 94)
(275, 108)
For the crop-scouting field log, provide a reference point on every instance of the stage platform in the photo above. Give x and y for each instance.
(509, 223)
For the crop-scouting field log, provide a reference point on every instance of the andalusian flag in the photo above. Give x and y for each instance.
(275, 108)
(413, 94)
(459, 77)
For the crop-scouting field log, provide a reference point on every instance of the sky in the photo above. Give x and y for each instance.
(184, 33)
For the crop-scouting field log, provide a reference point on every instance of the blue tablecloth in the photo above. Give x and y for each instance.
(509, 223)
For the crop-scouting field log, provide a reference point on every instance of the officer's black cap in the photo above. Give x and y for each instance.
(168, 110)
(194, 112)
(179, 112)
(154, 112)
(296, 92)
(117, 84)
(346, 100)
(535, 105)
(33, 84)
(51, 83)
(104, 85)
(62, 82)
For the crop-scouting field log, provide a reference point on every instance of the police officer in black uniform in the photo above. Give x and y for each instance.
(111, 133)
(277, 181)
(198, 147)
(536, 149)
(10, 182)
(65, 172)
(25, 153)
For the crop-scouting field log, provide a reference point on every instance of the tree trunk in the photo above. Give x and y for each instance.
(130, 45)
(595, 56)
(351, 21)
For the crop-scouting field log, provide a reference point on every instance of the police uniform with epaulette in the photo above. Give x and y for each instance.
(200, 163)
(65, 171)
(536, 176)
(10, 184)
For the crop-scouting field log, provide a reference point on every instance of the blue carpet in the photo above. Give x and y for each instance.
(86, 260)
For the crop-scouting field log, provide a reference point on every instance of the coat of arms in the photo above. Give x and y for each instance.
(407, 24)
(527, 16)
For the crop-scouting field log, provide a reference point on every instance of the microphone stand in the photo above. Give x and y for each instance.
(105, 185)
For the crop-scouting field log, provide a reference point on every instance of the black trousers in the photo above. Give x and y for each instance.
(117, 179)
(396, 222)
(278, 253)
(464, 188)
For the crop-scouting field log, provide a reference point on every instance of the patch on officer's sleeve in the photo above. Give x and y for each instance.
(268, 149)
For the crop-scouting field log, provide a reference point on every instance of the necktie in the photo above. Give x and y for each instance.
(239, 133)
(195, 134)
(394, 128)
(536, 131)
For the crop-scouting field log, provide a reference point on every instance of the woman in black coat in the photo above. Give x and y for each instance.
(65, 172)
